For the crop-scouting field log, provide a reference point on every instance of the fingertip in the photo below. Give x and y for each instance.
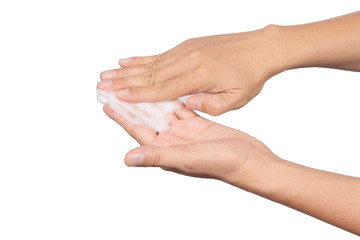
(108, 74)
(135, 160)
(123, 94)
(194, 103)
(135, 157)
(139, 94)
(104, 84)
(125, 62)
(106, 108)
(207, 103)
(101, 77)
(185, 113)
(109, 111)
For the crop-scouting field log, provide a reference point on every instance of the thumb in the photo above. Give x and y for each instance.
(219, 159)
(216, 103)
(149, 156)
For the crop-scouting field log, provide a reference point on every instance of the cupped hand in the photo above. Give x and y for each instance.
(193, 146)
(229, 69)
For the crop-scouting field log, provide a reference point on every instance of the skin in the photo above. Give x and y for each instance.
(191, 147)
(230, 70)
(198, 66)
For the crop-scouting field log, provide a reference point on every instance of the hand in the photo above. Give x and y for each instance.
(194, 146)
(230, 69)
(197, 147)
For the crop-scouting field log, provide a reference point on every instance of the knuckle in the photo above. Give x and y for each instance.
(161, 88)
(191, 41)
(148, 76)
(216, 108)
(158, 159)
(188, 41)
(161, 56)
(158, 57)
(196, 54)
(149, 67)
(202, 70)
(123, 71)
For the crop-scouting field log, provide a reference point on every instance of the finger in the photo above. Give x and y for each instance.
(120, 73)
(169, 157)
(136, 61)
(135, 70)
(184, 113)
(141, 134)
(182, 85)
(178, 51)
(149, 76)
(198, 159)
(215, 103)
(215, 159)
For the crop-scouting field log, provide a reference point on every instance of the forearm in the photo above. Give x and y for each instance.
(330, 197)
(332, 43)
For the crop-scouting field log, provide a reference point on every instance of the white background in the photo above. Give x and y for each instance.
(62, 174)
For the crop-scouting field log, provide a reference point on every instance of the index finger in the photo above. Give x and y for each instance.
(136, 61)
(182, 85)
(142, 134)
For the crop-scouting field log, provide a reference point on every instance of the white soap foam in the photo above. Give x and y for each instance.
(154, 115)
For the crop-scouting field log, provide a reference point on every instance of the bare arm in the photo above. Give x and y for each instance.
(231, 69)
(202, 65)
(334, 198)
(333, 43)
(330, 197)
(198, 147)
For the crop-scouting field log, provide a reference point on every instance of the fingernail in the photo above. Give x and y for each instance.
(108, 74)
(104, 84)
(122, 92)
(124, 61)
(195, 105)
(135, 160)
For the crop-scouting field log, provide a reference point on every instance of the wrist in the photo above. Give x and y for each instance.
(287, 49)
(330, 43)
(268, 176)
(277, 51)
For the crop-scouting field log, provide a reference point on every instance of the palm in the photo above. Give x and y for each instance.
(185, 127)
(213, 150)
